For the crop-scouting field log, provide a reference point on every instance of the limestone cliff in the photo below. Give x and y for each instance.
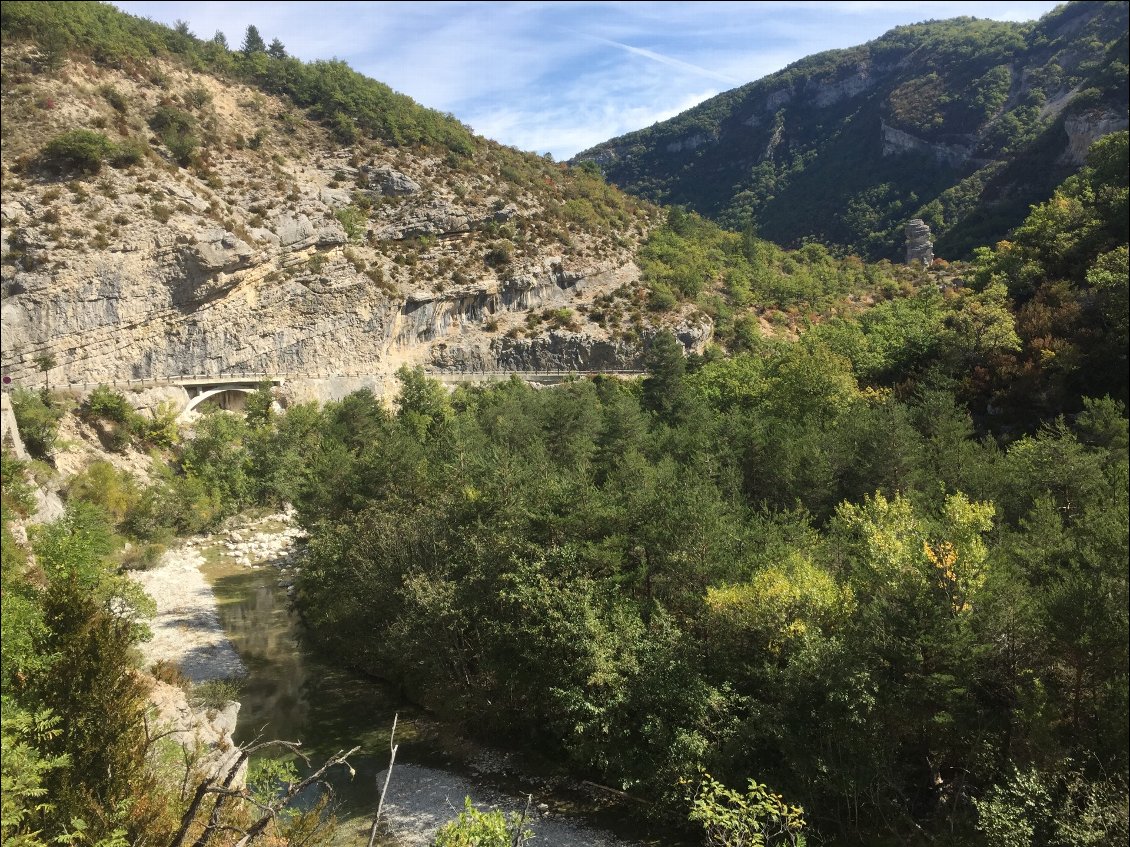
(277, 250)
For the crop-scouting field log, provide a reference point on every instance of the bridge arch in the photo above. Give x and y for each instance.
(208, 394)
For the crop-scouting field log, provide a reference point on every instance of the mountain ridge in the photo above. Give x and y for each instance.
(964, 123)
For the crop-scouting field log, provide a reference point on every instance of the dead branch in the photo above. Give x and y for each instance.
(391, 760)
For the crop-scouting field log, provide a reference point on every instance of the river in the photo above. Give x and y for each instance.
(291, 693)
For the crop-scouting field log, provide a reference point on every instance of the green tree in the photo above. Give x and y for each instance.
(422, 404)
(45, 362)
(252, 41)
(664, 389)
(38, 421)
(276, 50)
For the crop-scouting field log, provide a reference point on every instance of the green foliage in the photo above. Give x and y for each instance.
(37, 416)
(23, 797)
(119, 425)
(178, 131)
(215, 693)
(691, 256)
(1059, 808)
(422, 404)
(252, 41)
(473, 828)
(73, 733)
(86, 150)
(112, 490)
(353, 221)
(18, 493)
(757, 818)
(79, 149)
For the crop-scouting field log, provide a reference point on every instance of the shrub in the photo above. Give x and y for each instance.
(38, 420)
(107, 404)
(169, 672)
(177, 130)
(105, 486)
(142, 557)
(661, 298)
(352, 220)
(196, 97)
(482, 829)
(79, 149)
(115, 98)
(129, 152)
(498, 256)
(215, 693)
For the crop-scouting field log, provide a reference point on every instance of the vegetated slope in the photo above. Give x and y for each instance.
(172, 206)
(963, 123)
(799, 566)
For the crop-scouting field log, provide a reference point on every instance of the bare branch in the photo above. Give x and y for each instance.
(295, 789)
(388, 776)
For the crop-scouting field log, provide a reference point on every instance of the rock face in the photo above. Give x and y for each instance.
(1083, 130)
(895, 141)
(919, 247)
(295, 259)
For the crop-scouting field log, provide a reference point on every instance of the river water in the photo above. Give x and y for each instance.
(291, 693)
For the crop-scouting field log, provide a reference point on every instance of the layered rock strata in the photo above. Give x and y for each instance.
(919, 247)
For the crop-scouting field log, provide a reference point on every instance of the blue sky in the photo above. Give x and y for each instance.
(558, 77)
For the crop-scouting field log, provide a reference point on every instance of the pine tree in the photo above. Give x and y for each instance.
(253, 41)
(276, 50)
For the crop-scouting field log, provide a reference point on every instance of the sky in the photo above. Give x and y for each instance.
(559, 77)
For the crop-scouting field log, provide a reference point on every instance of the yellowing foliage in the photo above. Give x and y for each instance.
(780, 603)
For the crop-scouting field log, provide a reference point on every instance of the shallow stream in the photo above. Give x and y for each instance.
(291, 693)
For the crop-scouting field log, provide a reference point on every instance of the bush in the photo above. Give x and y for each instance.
(142, 557)
(107, 404)
(115, 98)
(168, 672)
(129, 152)
(177, 130)
(79, 149)
(353, 221)
(215, 693)
(498, 256)
(107, 487)
(481, 829)
(18, 492)
(38, 420)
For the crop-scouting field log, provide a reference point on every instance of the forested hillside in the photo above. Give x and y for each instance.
(962, 122)
(806, 564)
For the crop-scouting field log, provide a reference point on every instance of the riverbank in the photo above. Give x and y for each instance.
(186, 629)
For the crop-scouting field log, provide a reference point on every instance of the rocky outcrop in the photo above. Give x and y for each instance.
(390, 183)
(298, 259)
(1085, 129)
(689, 143)
(896, 141)
(828, 93)
(205, 734)
(439, 217)
(218, 250)
(560, 350)
(919, 247)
